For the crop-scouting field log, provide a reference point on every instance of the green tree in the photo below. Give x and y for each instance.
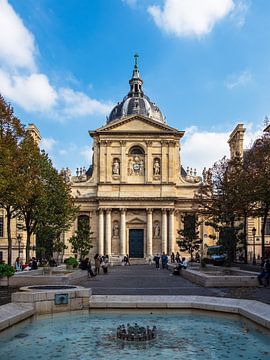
(11, 131)
(259, 160)
(81, 241)
(190, 235)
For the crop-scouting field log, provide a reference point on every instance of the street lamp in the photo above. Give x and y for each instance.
(19, 239)
(254, 255)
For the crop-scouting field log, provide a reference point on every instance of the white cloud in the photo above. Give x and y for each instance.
(190, 17)
(237, 80)
(23, 84)
(87, 152)
(16, 42)
(131, 3)
(32, 92)
(240, 11)
(63, 152)
(47, 144)
(202, 149)
(76, 103)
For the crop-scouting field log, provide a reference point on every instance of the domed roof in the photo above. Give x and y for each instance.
(136, 102)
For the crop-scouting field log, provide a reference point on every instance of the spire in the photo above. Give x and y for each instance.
(135, 82)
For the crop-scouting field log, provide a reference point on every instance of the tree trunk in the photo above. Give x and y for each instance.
(263, 230)
(9, 235)
(245, 238)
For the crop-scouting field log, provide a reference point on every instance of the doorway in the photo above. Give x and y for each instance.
(136, 243)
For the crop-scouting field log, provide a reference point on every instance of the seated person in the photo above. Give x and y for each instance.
(181, 265)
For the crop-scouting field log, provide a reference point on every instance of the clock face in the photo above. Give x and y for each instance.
(136, 167)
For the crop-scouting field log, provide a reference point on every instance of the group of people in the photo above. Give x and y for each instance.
(180, 263)
(99, 262)
(32, 264)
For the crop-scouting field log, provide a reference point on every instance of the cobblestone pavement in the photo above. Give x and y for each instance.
(147, 280)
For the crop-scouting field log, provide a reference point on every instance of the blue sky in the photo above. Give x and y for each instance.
(65, 63)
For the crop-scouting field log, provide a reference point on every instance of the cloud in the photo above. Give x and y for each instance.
(23, 84)
(188, 18)
(238, 80)
(32, 92)
(202, 149)
(238, 15)
(87, 153)
(16, 42)
(131, 3)
(76, 103)
(47, 144)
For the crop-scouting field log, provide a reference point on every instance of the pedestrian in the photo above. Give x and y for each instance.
(172, 257)
(177, 257)
(34, 265)
(164, 261)
(126, 260)
(105, 264)
(265, 273)
(156, 260)
(97, 260)
(18, 264)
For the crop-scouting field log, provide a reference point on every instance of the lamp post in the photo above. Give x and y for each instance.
(19, 239)
(254, 255)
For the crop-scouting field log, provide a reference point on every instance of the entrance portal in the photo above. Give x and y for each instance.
(136, 243)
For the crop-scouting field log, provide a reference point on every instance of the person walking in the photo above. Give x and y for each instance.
(164, 261)
(97, 260)
(156, 260)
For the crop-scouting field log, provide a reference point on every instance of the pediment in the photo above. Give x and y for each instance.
(136, 220)
(138, 124)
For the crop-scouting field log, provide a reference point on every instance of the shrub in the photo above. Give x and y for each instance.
(6, 270)
(71, 261)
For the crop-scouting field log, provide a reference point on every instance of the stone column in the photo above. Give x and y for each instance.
(123, 232)
(149, 163)
(149, 232)
(108, 239)
(171, 160)
(123, 165)
(101, 233)
(164, 161)
(171, 231)
(164, 231)
(102, 163)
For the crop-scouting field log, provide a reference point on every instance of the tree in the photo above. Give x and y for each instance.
(190, 236)
(46, 204)
(259, 161)
(216, 199)
(11, 131)
(81, 241)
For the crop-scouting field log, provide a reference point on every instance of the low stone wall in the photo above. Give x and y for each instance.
(43, 301)
(39, 277)
(11, 314)
(244, 278)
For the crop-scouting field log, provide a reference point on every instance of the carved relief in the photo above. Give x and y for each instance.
(136, 165)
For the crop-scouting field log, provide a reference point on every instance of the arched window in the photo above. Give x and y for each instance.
(136, 150)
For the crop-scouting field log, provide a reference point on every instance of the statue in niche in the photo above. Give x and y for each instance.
(156, 230)
(116, 167)
(136, 166)
(156, 167)
(130, 167)
(141, 167)
(116, 229)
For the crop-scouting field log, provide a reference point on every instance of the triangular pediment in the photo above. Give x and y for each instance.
(138, 124)
(136, 220)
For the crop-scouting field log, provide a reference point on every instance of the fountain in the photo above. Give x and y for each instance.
(136, 332)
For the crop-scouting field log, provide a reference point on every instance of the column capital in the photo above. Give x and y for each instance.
(171, 211)
(164, 211)
(108, 211)
(149, 211)
(100, 210)
(123, 210)
(122, 142)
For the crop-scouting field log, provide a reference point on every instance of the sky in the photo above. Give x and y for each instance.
(64, 64)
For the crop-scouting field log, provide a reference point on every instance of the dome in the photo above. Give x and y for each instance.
(136, 102)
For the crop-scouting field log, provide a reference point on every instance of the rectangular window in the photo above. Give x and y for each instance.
(267, 227)
(1, 226)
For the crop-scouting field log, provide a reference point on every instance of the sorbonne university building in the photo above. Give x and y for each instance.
(135, 192)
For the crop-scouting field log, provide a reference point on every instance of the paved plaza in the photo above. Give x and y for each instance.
(147, 280)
